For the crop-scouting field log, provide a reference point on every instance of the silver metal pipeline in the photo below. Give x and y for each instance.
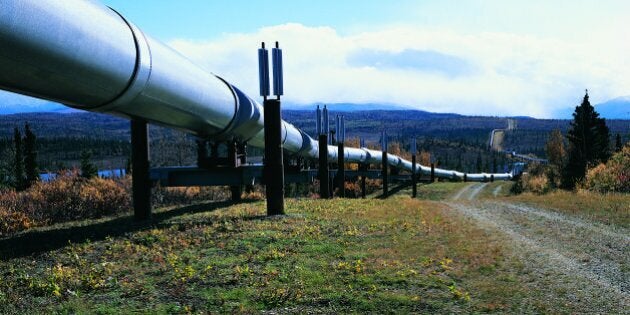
(88, 56)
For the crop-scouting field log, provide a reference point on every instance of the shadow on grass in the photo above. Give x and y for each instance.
(395, 190)
(39, 241)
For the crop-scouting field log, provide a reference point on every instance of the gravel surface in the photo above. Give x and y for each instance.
(470, 192)
(497, 190)
(576, 265)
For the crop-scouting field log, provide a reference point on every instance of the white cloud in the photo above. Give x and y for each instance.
(514, 74)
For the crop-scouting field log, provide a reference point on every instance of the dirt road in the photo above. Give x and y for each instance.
(578, 265)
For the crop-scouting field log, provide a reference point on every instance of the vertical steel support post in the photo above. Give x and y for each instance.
(274, 166)
(432, 173)
(363, 167)
(234, 162)
(341, 157)
(384, 168)
(324, 175)
(384, 165)
(341, 172)
(141, 183)
(414, 176)
(202, 153)
(326, 127)
(465, 177)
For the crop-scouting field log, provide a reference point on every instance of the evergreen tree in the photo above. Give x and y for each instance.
(30, 156)
(128, 167)
(588, 143)
(479, 165)
(618, 143)
(88, 169)
(5, 168)
(18, 161)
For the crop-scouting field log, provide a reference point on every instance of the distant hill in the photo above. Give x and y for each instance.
(48, 107)
(347, 107)
(617, 108)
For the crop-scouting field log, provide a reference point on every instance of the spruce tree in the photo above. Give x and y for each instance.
(478, 165)
(589, 140)
(618, 143)
(30, 156)
(88, 169)
(18, 161)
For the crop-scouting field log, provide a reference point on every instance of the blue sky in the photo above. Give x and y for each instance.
(484, 57)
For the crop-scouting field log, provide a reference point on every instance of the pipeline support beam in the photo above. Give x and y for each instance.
(341, 172)
(141, 183)
(324, 174)
(273, 168)
(234, 161)
(384, 169)
(414, 177)
(363, 167)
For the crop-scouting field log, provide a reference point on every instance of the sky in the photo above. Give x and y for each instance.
(532, 57)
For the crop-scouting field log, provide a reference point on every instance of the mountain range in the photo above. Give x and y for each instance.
(48, 107)
(617, 108)
(347, 107)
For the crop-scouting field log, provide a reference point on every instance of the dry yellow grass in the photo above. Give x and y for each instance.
(611, 208)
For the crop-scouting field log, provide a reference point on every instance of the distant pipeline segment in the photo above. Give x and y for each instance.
(88, 56)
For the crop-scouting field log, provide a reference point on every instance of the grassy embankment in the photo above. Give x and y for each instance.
(395, 255)
(611, 208)
(335, 256)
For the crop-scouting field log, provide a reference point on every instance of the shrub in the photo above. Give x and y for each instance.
(538, 184)
(166, 196)
(68, 197)
(614, 176)
(535, 180)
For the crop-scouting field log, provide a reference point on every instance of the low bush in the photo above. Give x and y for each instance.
(535, 180)
(72, 197)
(168, 196)
(614, 176)
(68, 197)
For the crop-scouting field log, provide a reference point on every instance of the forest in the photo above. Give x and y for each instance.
(451, 140)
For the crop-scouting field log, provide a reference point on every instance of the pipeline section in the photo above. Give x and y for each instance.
(88, 56)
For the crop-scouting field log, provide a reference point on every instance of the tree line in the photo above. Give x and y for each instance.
(588, 145)
(23, 169)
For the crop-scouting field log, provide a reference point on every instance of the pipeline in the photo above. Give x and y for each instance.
(88, 56)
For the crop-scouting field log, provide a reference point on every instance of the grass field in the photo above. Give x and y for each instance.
(396, 255)
(611, 209)
(438, 190)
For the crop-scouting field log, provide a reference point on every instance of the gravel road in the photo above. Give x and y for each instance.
(578, 265)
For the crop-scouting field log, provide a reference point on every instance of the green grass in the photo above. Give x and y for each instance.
(439, 190)
(382, 256)
(488, 191)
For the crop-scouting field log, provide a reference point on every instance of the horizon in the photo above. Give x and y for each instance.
(483, 58)
(333, 107)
